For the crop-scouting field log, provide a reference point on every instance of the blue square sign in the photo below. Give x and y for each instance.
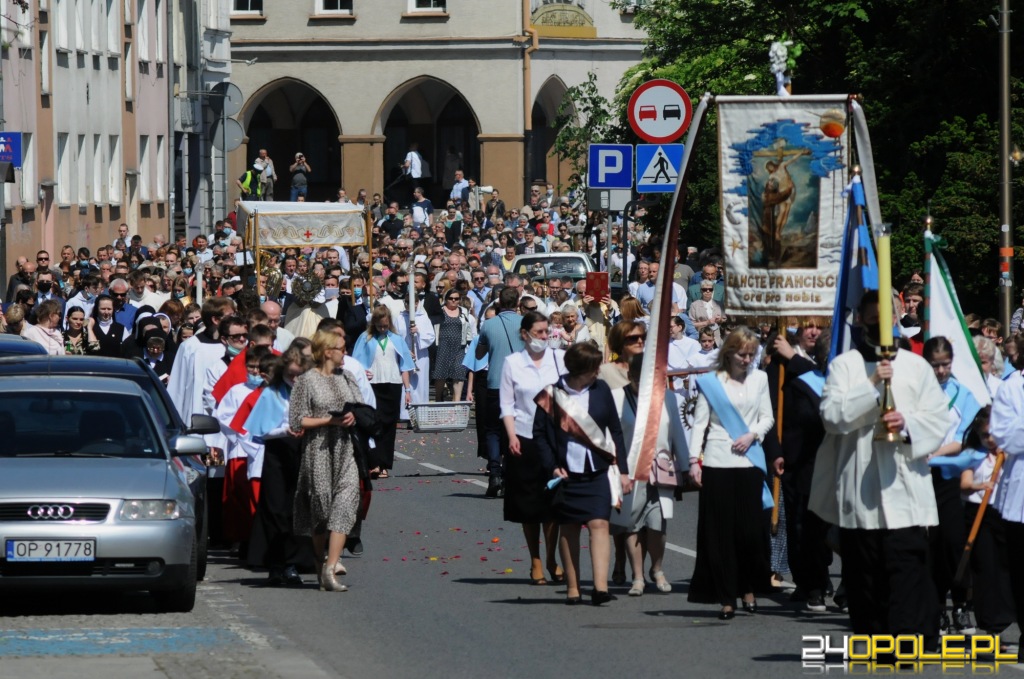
(657, 167)
(10, 148)
(610, 166)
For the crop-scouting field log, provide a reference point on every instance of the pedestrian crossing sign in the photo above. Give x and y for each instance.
(657, 167)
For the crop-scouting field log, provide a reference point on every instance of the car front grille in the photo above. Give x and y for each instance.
(98, 568)
(54, 512)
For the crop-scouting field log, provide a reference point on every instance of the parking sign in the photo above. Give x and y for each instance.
(610, 166)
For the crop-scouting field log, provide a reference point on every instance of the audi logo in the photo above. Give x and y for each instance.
(50, 512)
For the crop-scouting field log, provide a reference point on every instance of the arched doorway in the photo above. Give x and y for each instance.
(286, 117)
(545, 108)
(433, 114)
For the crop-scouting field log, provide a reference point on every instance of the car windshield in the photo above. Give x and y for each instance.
(56, 424)
(553, 267)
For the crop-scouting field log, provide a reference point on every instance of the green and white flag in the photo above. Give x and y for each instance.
(944, 318)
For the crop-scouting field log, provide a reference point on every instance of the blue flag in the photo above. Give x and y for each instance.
(858, 271)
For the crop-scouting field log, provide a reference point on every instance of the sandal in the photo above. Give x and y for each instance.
(537, 576)
(375, 473)
(638, 588)
(384, 474)
(557, 575)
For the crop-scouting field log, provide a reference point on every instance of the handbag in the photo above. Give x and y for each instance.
(663, 471)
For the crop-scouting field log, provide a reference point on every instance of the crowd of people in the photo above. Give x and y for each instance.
(311, 362)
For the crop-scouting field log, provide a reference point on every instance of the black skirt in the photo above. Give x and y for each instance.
(389, 405)
(583, 497)
(733, 544)
(273, 544)
(526, 500)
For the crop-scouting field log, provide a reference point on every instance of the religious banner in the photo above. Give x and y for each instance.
(280, 224)
(783, 163)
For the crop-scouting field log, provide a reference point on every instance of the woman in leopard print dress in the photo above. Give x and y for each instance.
(327, 495)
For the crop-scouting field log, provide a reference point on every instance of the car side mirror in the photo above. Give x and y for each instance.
(204, 424)
(183, 446)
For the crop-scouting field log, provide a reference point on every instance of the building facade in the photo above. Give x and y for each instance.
(99, 90)
(353, 83)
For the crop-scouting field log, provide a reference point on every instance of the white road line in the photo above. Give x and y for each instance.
(680, 550)
(483, 484)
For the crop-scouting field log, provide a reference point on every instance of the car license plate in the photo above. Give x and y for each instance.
(51, 550)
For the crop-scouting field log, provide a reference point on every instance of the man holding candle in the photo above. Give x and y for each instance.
(879, 492)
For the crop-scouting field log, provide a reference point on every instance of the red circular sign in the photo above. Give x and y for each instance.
(660, 111)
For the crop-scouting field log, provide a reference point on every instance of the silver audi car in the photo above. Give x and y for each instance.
(89, 496)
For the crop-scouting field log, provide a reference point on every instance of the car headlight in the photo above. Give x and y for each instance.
(149, 510)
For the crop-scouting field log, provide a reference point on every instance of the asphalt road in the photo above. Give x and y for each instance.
(441, 590)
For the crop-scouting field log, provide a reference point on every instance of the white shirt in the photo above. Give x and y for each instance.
(752, 401)
(522, 380)
(358, 372)
(415, 165)
(576, 455)
(1007, 427)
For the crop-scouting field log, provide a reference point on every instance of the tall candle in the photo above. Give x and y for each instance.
(884, 289)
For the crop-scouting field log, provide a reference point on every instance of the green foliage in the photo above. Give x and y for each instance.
(927, 73)
(584, 117)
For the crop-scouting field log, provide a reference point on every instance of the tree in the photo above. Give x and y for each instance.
(927, 75)
(584, 117)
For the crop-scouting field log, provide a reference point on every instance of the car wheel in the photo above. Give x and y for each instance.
(183, 599)
(204, 546)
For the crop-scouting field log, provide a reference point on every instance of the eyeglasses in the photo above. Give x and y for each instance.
(454, 298)
(42, 259)
(633, 339)
(118, 294)
(479, 278)
(707, 289)
(238, 336)
(529, 308)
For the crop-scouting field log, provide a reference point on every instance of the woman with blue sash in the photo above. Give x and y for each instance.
(388, 364)
(732, 417)
(947, 463)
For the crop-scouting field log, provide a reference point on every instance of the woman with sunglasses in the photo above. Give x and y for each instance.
(453, 333)
(625, 340)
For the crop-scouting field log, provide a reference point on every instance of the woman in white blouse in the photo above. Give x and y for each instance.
(523, 375)
(732, 526)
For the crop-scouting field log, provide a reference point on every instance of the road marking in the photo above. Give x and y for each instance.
(101, 641)
(436, 468)
(680, 550)
(402, 456)
(476, 482)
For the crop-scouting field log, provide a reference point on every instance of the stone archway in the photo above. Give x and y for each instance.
(287, 116)
(545, 108)
(435, 115)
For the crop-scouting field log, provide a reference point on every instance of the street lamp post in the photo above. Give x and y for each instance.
(1005, 188)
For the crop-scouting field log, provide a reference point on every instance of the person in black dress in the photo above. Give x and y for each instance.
(582, 465)
(109, 332)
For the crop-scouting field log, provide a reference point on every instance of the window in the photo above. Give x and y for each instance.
(333, 6)
(29, 195)
(113, 22)
(159, 20)
(82, 166)
(247, 7)
(145, 171)
(14, 22)
(63, 170)
(428, 5)
(97, 169)
(114, 173)
(142, 32)
(97, 26)
(44, 62)
(80, 20)
(161, 168)
(129, 69)
(60, 23)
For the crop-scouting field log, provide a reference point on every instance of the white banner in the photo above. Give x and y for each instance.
(306, 224)
(783, 163)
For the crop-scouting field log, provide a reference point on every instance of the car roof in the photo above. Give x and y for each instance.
(69, 365)
(18, 345)
(69, 383)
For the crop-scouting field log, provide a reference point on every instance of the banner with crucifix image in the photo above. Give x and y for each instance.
(783, 163)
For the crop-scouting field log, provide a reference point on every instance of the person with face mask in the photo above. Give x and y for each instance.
(273, 543)
(47, 288)
(880, 493)
(523, 375)
(353, 309)
(85, 298)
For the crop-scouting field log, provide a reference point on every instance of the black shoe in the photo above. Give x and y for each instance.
(598, 597)
(495, 488)
(944, 624)
(291, 577)
(573, 600)
(750, 607)
(727, 614)
(962, 622)
(276, 578)
(815, 604)
(354, 546)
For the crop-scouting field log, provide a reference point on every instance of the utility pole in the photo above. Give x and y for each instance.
(1005, 188)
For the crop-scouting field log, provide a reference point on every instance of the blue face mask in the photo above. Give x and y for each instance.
(222, 243)
(263, 298)
(179, 295)
(233, 351)
(187, 272)
(358, 292)
(253, 381)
